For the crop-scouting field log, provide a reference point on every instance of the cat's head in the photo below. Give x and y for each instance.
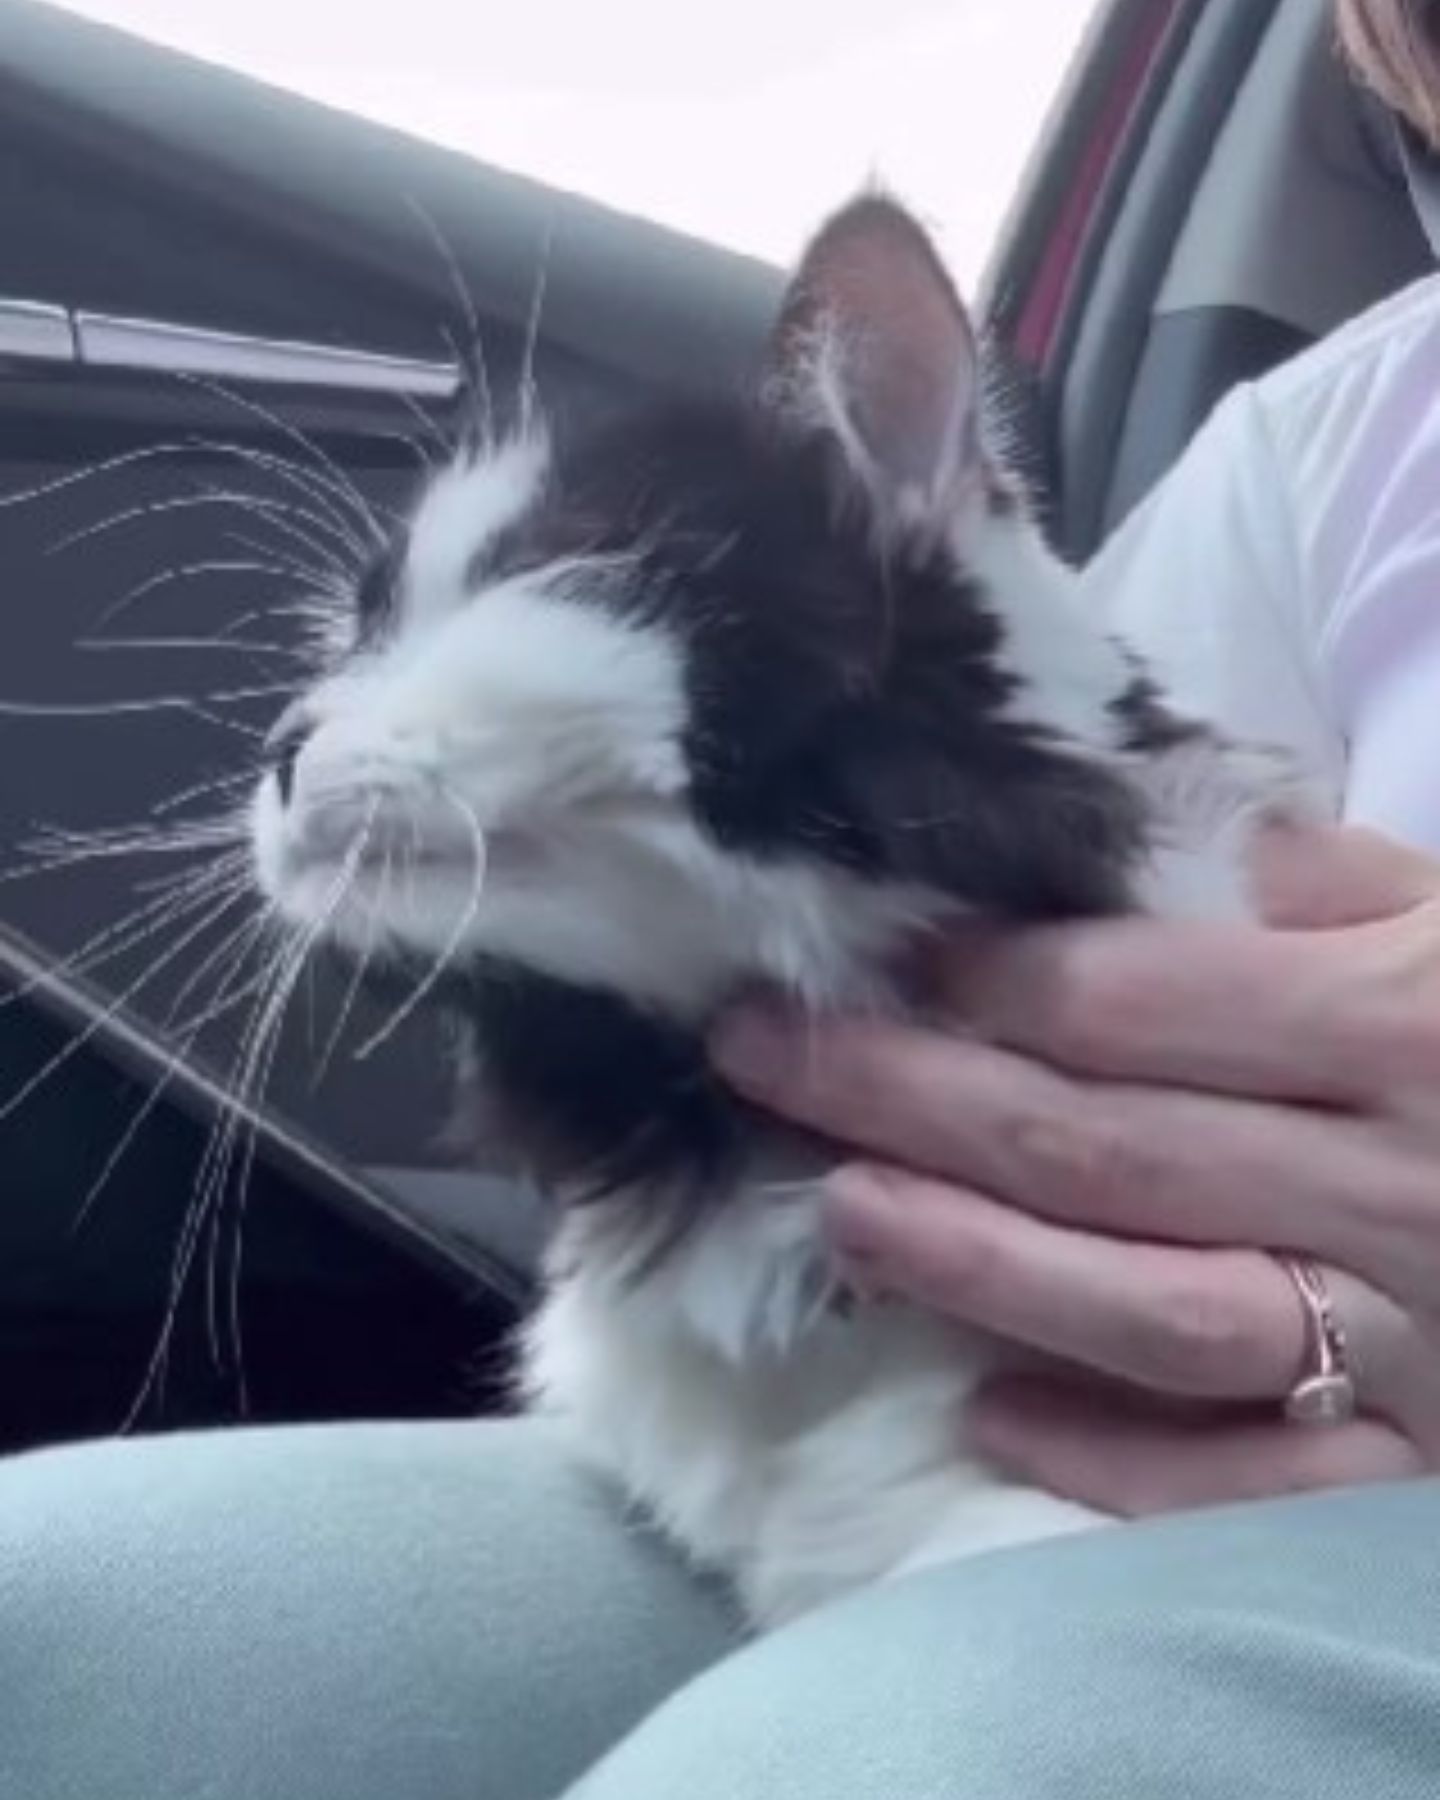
(715, 693)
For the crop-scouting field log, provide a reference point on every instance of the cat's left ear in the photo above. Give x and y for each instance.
(874, 351)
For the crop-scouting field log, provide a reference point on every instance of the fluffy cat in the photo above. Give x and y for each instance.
(714, 695)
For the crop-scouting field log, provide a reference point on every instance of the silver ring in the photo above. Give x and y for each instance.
(1325, 1392)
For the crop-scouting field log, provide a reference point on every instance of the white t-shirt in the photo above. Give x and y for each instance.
(1284, 580)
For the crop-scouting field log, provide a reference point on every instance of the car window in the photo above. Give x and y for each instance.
(741, 124)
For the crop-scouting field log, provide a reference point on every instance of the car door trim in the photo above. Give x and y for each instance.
(134, 346)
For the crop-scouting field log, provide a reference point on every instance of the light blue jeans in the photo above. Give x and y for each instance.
(448, 1612)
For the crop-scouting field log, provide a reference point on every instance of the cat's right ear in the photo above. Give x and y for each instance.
(874, 352)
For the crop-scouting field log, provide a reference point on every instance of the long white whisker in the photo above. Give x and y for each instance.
(342, 484)
(126, 459)
(442, 962)
(257, 1059)
(47, 853)
(338, 561)
(213, 1010)
(307, 481)
(424, 459)
(215, 1172)
(475, 362)
(235, 646)
(193, 1224)
(126, 934)
(233, 726)
(243, 1172)
(189, 1033)
(528, 395)
(63, 850)
(318, 581)
(357, 979)
(428, 425)
(183, 572)
(75, 1044)
(220, 784)
(189, 446)
(280, 512)
(109, 709)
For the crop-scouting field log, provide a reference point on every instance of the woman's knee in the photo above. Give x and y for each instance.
(1194, 1658)
(437, 1608)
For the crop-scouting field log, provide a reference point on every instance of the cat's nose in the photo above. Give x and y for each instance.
(287, 738)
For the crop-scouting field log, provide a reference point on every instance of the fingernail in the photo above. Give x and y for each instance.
(753, 1048)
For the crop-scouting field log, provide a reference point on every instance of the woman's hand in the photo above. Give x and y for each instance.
(1132, 1101)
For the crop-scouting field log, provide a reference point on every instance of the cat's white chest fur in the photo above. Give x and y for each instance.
(799, 1450)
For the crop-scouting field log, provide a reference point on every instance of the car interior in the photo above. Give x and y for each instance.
(204, 276)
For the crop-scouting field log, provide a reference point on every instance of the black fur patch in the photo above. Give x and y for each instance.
(1148, 725)
(604, 1096)
(845, 702)
(376, 592)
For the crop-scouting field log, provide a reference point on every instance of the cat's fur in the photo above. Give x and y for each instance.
(747, 692)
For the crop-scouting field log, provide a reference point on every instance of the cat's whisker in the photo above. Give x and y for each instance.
(236, 646)
(233, 726)
(217, 1009)
(190, 447)
(473, 369)
(200, 789)
(182, 572)
(427, 424)
(210, 1193)
(173, 886)
(228, 955)
(94, 709)
(124, 935)
(154, 703)
(297, 477)
(282, 514)
(47, 847)
(246, 619)
(362, 968)
(341, 556)
(529, 397)
(310, 579)
(164, 888)
(245, 1170)
(197, 1209)
(107, 466)
(425, 459)
(463, 926)
(341, 484)
(188, 1033)
(53, 849)
(256, 1056)
(74, 1044)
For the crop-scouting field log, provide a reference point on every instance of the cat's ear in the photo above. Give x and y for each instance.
(873, 350)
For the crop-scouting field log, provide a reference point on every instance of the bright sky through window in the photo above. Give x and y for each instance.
(742, 123)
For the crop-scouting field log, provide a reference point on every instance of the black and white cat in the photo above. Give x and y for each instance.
(720, 695)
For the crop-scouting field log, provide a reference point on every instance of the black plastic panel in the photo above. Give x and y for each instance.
(295, 1305)
(1190, 361)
